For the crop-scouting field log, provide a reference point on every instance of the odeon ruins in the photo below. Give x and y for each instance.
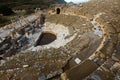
(66, 42)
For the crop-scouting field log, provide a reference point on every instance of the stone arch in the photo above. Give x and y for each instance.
(58, 10)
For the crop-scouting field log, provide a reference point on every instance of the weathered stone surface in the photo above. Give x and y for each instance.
(86, 45)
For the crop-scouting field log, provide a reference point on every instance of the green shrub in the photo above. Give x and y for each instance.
(3, 19)
(6, 10)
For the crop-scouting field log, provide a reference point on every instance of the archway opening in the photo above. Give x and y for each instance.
(58, 11)
(45, 38)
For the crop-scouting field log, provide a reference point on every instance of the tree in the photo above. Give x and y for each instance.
(3, 19)
(6, 10)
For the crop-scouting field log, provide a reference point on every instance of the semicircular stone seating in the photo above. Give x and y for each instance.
(89, 47)
(105, 56)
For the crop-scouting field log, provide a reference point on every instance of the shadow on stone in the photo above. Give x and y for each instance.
(45, 39)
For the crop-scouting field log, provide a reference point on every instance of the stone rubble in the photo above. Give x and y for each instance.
(96, 50)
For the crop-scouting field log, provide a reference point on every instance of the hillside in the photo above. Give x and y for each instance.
(30, 3)
(7, 7)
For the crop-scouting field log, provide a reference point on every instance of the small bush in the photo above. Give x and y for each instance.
(3, 19)
(6, 10)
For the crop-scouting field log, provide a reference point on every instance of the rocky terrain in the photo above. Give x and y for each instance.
(86, 47)
(12, 10)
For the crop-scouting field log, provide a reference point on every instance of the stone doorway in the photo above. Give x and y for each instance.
(58, 11)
